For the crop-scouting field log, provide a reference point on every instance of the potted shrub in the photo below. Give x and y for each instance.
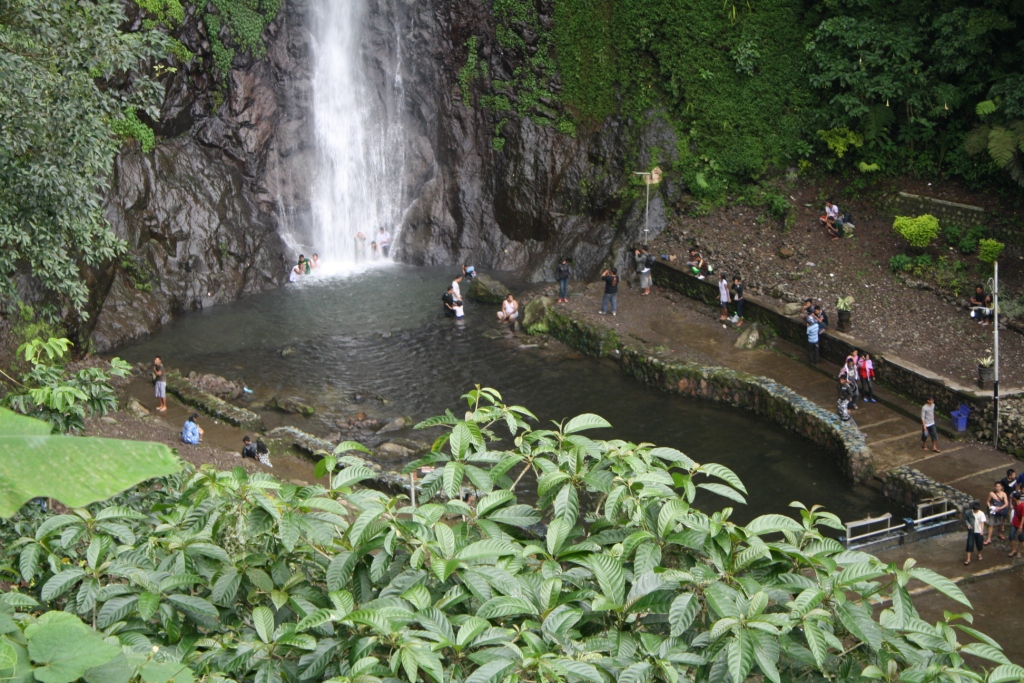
(843, 306)
(986, 370)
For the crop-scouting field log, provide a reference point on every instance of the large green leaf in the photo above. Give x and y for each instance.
(610, 577)
(64, 648)
(585, 421)
(76, 470)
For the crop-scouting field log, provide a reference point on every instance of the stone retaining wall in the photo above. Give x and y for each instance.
(904, 377)
(213, 406)
(907, 486)
(758, 394)
(960, 215)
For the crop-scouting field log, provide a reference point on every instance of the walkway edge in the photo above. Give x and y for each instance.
(761, 395)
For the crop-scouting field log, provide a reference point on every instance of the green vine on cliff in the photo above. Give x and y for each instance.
(469, 71)
(130, 127)
(245, 21)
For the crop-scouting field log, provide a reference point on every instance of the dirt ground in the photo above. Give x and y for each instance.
(930, 328)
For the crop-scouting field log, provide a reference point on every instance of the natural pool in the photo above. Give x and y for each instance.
(381, 333)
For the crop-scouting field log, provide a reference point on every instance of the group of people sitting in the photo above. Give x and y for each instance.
(837, 224)
(304, 267)
(192, 434)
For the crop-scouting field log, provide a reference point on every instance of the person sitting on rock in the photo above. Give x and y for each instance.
(829, 219)
(509, 312)
(469, 272)
(192, 433)
(296, 273)
(263, 453)
(248, 448)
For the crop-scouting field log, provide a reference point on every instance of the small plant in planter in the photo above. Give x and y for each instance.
(843, 305)
(986, 368)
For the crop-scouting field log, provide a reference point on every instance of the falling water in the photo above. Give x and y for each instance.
(358, 183)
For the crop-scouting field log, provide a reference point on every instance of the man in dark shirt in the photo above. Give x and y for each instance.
(737, 288)
(248, 448)
(1009, 482)
(981, 305)
(448, 298)
(611, 291)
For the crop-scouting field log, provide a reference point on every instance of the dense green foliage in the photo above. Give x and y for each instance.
(57, 137)
(76, 471)
(245, 21)
(242, 577)
(918, 231)
(58, 396)
(858, 85)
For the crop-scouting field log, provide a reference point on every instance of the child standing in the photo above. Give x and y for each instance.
(723, 296)
(866, 370)
(737, 288)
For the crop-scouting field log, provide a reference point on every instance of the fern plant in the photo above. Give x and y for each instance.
(1004, 143)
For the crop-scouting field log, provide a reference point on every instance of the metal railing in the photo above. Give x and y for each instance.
(935, 512)
(858, 532)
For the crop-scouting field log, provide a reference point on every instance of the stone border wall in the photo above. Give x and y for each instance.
(902, 376)
(908, 487)
(761, 395)
(954, 213)
(213, 406)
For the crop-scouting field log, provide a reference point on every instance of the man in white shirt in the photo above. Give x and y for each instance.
(384, 241)
(928, 426)
(455, 288)
(975, 530)
(723, 296)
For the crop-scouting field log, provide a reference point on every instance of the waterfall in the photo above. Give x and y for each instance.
(357, 100)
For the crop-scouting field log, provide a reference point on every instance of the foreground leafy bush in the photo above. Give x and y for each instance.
(243, 577)
(919, 232)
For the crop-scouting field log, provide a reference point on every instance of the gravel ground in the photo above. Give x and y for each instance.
(926, 327)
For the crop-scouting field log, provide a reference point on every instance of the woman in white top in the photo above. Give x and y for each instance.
(295, 274)
(509, 310)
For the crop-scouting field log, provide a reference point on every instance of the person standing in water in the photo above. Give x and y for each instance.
(456, 289)
(373, 251)
(448, 299)
(360, 239)
(385, 241)
(160, 384)
(316, 261)
(295, 273)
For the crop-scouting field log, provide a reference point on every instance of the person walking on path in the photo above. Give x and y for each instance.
(723, 296)
(866, 370)
(975, 531)
(562, 275)
(1016, 524)
(928, 426)
(737, 288)
(611, 291)
(814, 356)
(160, 385)
(998, 507)
(644, 261)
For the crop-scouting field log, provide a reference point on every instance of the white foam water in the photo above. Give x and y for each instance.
(359, 140)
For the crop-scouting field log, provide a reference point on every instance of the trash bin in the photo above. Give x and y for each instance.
(959, 417)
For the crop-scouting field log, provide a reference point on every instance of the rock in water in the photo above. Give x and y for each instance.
(394, 425)
(750, 337)
(291, 404)
(393, 450)
(535, 313)
(137, 409)
(487, 290)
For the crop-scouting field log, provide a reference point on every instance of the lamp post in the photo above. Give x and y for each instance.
(995, 375)
(652, 177)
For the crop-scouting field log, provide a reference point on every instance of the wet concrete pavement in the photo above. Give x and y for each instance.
(671, 326)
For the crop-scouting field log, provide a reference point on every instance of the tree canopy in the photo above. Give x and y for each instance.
(68, 77)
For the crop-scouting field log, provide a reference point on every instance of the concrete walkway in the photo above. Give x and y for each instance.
(671, 326)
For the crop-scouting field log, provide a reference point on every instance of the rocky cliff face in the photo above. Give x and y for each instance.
(206, 212)
(223, 202)
(544, 194)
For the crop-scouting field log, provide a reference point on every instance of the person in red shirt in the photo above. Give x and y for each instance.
(1016, 524)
